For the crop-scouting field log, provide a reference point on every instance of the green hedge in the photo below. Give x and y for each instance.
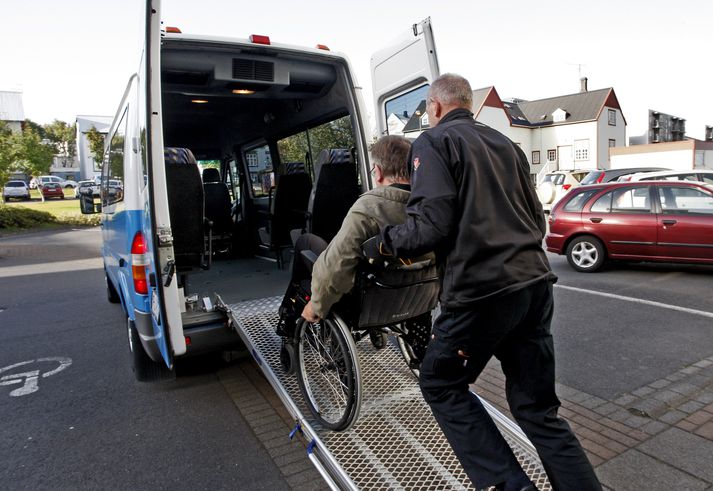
(19, 217)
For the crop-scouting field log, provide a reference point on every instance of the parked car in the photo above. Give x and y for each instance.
(87, 187)
(65, 183)
(669, 221)
(52, 190)
(556, 184)
(699, 175)
(609, 175)
(16, 190)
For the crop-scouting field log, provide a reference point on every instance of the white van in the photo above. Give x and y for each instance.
(275, 117)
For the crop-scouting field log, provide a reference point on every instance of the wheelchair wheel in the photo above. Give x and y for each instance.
(328, 372)
(413, 340)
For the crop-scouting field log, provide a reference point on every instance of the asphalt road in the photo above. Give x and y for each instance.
(91, 426)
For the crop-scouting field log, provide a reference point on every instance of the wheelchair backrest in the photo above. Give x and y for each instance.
(390, 295)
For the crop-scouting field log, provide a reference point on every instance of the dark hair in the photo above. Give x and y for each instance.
(390, 153)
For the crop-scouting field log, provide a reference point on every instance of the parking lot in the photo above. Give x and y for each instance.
(635, 374)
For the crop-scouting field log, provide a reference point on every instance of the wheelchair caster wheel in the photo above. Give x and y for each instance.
(378, 339)
(287, 358)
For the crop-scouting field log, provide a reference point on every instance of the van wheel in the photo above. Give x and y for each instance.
(145, 369)
(111, 294)
(586, 254)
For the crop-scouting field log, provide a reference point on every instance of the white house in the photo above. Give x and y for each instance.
(11, 110)
(676, 155)
(88, 168)
(568, 132)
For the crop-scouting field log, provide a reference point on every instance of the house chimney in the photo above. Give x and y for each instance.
(583, 84)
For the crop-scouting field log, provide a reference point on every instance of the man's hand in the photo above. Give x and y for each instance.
(309, 315)
(373, 250)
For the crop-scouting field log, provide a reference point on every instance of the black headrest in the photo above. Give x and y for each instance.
(211, 174)
(331, 156)
(294, 167)
(175, 155)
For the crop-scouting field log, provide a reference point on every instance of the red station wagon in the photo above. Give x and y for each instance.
(668, 221)
(52, 190)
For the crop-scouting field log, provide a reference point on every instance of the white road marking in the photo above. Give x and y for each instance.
(50, 267)
(29, 379)
(638, 300)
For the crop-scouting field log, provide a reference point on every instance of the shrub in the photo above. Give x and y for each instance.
(80, 220)
(19, 217)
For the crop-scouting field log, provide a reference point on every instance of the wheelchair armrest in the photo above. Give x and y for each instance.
(308, 259)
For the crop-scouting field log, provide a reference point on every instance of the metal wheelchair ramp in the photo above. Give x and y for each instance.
(396, 443)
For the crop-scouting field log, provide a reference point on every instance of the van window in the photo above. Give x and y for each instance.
(234, 180)
(259, 164)
(113, 170)
(303, 148)
(406, 113)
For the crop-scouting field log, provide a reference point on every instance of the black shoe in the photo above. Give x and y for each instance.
(517, 483)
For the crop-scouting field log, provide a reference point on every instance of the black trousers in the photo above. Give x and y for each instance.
(301, 271)
(515, 328)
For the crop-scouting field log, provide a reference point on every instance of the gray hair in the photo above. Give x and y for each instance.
(452, 90)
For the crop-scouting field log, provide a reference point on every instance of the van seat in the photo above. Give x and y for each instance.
(185, 204)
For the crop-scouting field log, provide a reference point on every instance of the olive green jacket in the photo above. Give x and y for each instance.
(335, 269)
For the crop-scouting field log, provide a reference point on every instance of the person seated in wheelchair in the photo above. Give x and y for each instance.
(321, 283)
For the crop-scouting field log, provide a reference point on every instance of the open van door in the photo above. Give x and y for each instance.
(163, 290)
(401, 75)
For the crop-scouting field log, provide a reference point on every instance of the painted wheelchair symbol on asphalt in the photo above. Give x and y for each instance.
(29, 378)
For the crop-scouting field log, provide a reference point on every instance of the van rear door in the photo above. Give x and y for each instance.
(401, 74)
(163, 289)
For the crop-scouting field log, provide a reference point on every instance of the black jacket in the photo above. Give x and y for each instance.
(472, 203)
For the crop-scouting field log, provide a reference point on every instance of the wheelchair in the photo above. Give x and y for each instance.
(392, 299)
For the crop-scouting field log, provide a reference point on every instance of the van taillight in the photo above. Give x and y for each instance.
(601, 177)
(139, 261)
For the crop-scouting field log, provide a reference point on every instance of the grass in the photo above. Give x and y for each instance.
(65, 211)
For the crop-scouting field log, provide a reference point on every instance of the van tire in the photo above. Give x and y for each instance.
(111, 294)
(145, 369)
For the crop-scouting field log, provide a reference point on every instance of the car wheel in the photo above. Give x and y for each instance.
(586, 254)
(145, 369)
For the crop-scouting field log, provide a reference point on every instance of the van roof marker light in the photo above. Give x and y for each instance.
(199, 101)
(243, 91)
(174, 30)
(258, 39)
(323, 46)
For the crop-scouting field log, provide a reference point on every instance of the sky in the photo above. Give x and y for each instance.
(74, 57)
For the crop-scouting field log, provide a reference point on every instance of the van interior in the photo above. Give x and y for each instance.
(277, 137)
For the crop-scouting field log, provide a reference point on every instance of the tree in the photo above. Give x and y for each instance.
(37, 128)
(64, 136)
(6, 158)
(96, 144)
(29, 154)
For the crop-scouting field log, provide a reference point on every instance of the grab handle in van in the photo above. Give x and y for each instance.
(169, 271)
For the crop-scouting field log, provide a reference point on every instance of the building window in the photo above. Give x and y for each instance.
(552, 155)
(612, 117)
(612, 143)
(581, 149)
(251, 159)
(536, 157)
